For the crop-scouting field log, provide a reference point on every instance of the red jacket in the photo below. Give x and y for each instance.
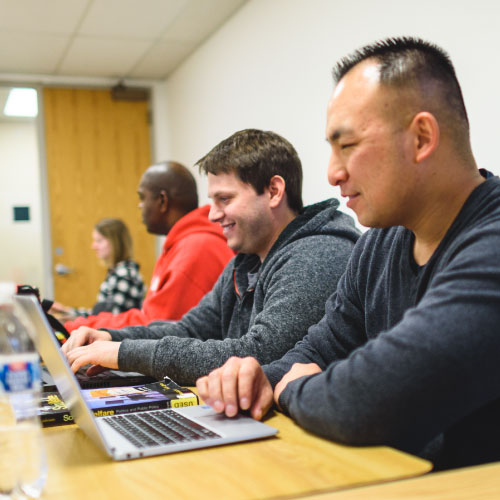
(194, 254)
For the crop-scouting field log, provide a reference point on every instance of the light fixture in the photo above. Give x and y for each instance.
(21, 102)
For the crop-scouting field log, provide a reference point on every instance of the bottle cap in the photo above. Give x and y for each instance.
(7, 292)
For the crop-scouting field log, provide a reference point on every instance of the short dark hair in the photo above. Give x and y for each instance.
(177, 182)
(407, 62)
(116, 231)
(255, 156)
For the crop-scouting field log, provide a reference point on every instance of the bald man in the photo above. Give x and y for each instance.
(194, 252)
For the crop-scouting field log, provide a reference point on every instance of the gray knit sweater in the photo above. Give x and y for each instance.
(253, 310)
(410, 354)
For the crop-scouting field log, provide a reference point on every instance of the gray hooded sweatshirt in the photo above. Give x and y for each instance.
(255, 309)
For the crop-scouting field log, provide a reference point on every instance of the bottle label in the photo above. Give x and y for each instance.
(19, 373)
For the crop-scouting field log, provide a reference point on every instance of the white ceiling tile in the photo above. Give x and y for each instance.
(131, 18)
(201, 18)
(162, 59)
(47, 16)
(102, 57)
(24, 53)
(105, 38)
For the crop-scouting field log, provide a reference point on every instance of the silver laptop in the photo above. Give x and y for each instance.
(135, 435)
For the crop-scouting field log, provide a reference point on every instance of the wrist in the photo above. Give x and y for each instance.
(105, 335)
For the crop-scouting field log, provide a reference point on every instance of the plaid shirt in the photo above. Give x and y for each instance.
(123, 289)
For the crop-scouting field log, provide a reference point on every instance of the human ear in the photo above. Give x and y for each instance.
(276, 190)
(163, 200)
(425, 130)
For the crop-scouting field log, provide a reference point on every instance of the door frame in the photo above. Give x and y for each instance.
(49, 263)
(38, 82)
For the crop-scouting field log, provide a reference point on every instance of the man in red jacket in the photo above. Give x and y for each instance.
(194, 253)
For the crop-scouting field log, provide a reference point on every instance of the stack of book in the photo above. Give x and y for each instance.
(118, 400)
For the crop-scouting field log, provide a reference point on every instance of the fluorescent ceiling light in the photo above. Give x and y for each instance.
(21, 102)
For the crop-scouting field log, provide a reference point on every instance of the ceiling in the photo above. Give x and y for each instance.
(122, 39)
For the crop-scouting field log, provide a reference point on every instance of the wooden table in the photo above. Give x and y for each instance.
(294, 463)
(472, 483)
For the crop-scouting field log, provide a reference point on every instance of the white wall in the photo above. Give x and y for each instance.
(270, 67)
(21, 255)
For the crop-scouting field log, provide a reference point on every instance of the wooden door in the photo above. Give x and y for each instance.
(97, 149)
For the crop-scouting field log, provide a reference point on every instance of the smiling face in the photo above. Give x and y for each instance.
(101, 246)
(371, 148)
(244, 215)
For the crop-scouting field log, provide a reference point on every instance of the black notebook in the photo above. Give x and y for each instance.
(108, 378)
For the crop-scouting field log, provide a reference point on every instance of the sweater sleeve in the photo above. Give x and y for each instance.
(201, 322)
(438, 364)
(295, 292)
(143, 347)
(338, 332)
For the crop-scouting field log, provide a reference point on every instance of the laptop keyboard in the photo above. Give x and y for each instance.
(158, 427)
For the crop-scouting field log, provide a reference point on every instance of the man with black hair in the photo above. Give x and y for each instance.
(407, 352)
(289, 261)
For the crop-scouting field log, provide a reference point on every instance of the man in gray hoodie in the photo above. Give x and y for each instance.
(290, 259)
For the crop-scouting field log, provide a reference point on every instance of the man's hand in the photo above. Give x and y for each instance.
(240, 382)
(100, 354)
(83, 335)
(296, 371)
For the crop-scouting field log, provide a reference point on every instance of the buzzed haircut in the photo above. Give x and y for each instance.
(408, 62)
(255, 156)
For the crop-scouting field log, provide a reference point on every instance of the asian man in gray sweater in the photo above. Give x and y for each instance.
(407, 352)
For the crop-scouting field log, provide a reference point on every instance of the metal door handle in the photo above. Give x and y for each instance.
(62, 270)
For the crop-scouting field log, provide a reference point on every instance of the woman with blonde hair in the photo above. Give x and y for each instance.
(123, 287)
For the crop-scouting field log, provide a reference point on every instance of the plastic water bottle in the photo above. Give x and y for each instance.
(23, 469)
